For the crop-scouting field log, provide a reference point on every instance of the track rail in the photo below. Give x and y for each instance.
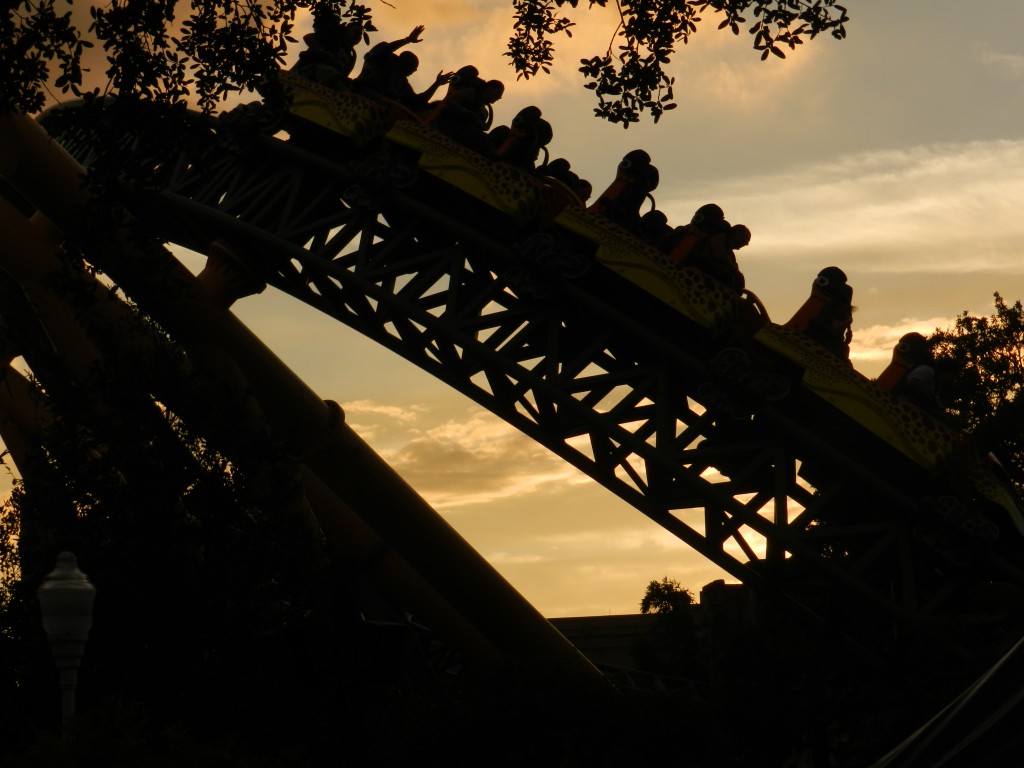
(576, 362)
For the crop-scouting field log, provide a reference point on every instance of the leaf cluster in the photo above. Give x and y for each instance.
(535, 23)
(980, 361)
(677, 643)
(154, 51)
(665, 596)
(151, 49)
(984, 358)
(631, 77)
(38, 38)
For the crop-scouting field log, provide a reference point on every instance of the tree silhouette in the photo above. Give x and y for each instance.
(676, 644)
(155, 49)
(631, 77)
(981, 366)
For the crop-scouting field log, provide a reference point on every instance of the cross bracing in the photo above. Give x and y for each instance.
(630, 395)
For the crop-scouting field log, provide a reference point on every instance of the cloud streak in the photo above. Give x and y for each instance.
(1008, 64)
(469, 459)
(933, 204)
(924, 233)
(874, 344)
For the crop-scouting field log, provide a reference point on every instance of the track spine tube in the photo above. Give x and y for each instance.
(52, 180)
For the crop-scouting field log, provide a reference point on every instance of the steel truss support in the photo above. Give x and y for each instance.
(569, 360)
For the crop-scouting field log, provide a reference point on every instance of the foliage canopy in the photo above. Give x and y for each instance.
(665, 596)
(631, 76)
(153, 50)
(981, 365)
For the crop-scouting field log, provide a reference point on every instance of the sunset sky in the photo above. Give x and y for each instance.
(897, 154)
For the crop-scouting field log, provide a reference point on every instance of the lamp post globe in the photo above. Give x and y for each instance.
(65, 598)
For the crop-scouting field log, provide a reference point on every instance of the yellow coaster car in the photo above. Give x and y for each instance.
(689, 291)
(518, 195)
(904, 426)
(356, 118)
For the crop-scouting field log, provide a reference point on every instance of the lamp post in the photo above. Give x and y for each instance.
(66, 597)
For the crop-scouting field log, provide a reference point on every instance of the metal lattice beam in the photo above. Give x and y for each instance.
(634, 406)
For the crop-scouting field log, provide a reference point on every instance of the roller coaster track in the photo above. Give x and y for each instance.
(581, 363)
